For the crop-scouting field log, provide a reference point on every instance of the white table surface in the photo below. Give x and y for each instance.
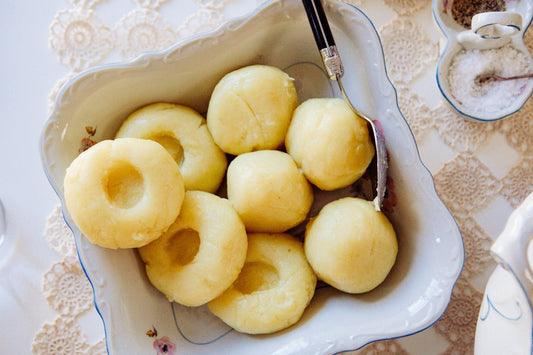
(30, 70)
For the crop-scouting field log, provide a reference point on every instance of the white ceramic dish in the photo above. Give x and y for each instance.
(431, 255)
(459, 38)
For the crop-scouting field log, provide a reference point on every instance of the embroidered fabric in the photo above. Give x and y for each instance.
(79, 38)
(406, 7)
(66, 288)
(408, 51)
(518, 182)
(468, 181)
(64, 336)
(142, 30)
(416, 111)
(58, 235)
(466, 184)
(459, 322)
(386, 347)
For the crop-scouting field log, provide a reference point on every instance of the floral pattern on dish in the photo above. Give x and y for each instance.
(164, 346)
(87, 142)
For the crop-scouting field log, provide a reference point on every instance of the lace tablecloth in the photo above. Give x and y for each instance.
(482, 170)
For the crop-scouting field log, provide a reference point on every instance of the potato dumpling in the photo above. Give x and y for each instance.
(329, 142)
(123, 193)
(251, 108)
(201, 254)
(350, 245)
(183, 133)
(268, 191)
(273, 289)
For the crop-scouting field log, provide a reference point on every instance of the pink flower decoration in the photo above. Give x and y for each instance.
(164, 346)
(85, 144)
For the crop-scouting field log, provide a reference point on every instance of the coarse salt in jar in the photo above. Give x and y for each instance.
(488, 96)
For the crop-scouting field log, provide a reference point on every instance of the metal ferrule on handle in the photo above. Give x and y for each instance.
(332, 62)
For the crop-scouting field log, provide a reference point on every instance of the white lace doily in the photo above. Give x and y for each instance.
(469, 180)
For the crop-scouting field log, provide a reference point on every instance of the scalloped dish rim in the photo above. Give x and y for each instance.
(439, 269)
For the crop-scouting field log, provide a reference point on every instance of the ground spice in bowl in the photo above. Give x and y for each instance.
(481, 98)
(463, 10)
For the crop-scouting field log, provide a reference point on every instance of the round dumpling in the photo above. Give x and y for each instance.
(251, 109)
(268, 191)
(350, 245)
(329, 142)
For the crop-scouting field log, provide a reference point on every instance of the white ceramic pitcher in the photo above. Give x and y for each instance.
(505, 319)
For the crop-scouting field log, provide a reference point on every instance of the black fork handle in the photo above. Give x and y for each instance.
(319, 23)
